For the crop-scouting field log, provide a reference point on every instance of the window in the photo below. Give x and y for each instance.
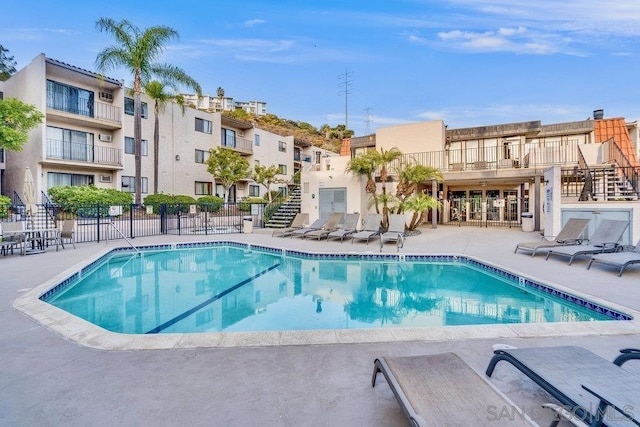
(70, 99)
(201, 156)
(317, 155)
(69, 144)
(254, 191)
(282, 146)
(129, 184)
(55, 179)
(129, 146)
(129, 105)
(256, 139)
(203, 125)
(283, 169)
(203, 188)
(228, 138)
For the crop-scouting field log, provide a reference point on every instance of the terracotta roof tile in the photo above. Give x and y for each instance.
(616, 128)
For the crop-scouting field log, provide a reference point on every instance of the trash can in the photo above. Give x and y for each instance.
(527, 221)
(247, 224)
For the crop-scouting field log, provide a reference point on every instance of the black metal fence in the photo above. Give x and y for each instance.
(100, 222)
(485, 211)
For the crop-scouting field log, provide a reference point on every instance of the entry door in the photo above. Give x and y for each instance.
(332, 200)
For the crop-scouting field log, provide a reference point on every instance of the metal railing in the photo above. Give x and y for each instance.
(101, 222)
(82, 152)
(241, 145)
(484, 211)
(495, 157)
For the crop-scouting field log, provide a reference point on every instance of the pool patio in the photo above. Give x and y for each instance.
(46, 379)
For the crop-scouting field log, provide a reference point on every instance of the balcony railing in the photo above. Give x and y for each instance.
(94, 110)
(241, 145)
(492, 158)
(79, 152)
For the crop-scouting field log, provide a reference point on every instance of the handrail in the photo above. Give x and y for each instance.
(628, 171)
(125, 237)
(587, 189)
(17, 201)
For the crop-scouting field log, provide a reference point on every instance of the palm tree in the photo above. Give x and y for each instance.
(365, 165)
(138, 50)
(410, 176)
(220, 93)
(384, 158)
(157, 91)
(419, 204)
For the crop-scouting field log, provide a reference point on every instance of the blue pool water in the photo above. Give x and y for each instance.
(227, 288)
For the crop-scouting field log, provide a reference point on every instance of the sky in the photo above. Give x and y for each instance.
(466, 62)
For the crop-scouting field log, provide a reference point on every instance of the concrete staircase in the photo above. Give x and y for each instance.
(286, 212)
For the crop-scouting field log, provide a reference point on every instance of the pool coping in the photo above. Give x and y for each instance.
(87, 334)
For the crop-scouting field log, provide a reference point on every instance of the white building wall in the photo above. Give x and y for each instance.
(413, 137)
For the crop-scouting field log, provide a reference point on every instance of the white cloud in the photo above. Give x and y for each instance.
(252, 22)
(515, 40)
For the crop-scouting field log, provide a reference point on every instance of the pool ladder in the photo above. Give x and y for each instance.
(125, 238)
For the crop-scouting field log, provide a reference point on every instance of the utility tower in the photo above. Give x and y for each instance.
(345, 89)
(367, 120)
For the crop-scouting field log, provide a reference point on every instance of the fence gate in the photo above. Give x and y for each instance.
(485, 212)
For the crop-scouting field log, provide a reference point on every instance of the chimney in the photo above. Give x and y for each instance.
(598, 114)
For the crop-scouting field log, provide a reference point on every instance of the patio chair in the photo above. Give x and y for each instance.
(331, 225)
(604, 239)
(618, 259)
(395, 232)
(315, 225)
(350, 226)
(67, 232)
(371, 228)
(441, 389)
(563, 371)
(299, 221)
(13, 237)
(570, 234)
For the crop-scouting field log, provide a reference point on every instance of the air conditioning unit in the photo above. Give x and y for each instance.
(104, 137)
(106, 96)
(105, 178)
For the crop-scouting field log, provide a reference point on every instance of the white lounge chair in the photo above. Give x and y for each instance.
(395, 232)
(350, 226)
(300, 220)
(331, 225)
(315, 225)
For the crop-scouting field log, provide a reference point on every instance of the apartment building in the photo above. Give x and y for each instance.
(494, 174)
(218, 104)
(87, 138)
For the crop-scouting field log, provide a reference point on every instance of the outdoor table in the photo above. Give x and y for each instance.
(38, 238)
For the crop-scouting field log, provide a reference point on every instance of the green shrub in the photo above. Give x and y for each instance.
(175, 203)
(5, 203)
(84, 200)
(210, 203)
(245, 205)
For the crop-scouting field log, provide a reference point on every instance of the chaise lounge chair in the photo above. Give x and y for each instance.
(331, 225)
(618, 259)
(315, 225)
(371, 228)
(570, 234)
(604, 239)
(300, 220)
(395, 232)
(563, 371)
(441, 389)
(350, 226)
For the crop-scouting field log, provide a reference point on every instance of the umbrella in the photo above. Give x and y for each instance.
(29, 193)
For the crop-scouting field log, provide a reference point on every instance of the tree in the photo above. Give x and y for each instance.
(16, 120)
(266, 176)
(220, 93)
(7, 64)
(138, 50)
(384, 158)
(228, 167)
(419, 204)
(365, 165)
(410, 176)
(157, 91)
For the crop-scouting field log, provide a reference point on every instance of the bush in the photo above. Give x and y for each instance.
(175, 203)
(245, 205)
(210, 203)
(84, 200)
(5, 203)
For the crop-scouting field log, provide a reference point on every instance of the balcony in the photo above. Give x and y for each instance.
(240, 145)
(520, 156)
(83, 153)
(81, 110)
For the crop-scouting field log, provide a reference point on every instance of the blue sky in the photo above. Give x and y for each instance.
(467, 62)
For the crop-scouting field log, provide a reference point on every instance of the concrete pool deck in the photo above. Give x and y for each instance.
(47, 379)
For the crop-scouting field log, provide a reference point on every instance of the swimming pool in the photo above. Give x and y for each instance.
(231, 287)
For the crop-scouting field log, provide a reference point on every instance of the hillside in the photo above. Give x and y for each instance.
(326, 137)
